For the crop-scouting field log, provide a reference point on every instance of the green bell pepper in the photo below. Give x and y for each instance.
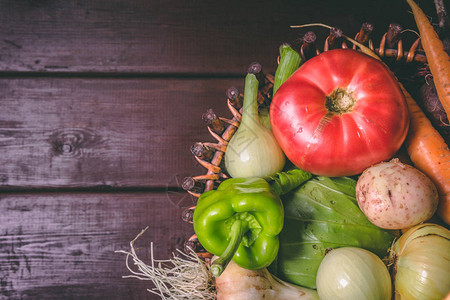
(241, 220)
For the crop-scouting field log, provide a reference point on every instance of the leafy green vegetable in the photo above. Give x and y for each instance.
(290, 60)
(321, 215)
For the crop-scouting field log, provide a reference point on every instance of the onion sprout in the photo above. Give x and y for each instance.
(184, 276)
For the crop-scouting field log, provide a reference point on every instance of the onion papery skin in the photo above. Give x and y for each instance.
(351, 273)
(421, 268)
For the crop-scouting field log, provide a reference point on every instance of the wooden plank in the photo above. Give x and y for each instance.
(62, 246)
(74, 132)
(189, 37)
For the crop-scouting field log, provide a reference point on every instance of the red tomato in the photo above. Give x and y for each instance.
(339, 113)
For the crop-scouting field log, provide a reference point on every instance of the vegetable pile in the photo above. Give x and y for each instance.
(341, 190)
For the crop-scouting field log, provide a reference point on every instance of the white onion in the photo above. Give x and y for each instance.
(421, 258)
(253, 151)
(353, 273)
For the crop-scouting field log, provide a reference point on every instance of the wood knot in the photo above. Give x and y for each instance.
(71, 142)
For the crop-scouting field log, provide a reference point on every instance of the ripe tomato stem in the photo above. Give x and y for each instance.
(340, 101)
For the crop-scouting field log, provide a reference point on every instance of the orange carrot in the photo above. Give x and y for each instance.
(438, 59)
(429, 154)
(426, 148)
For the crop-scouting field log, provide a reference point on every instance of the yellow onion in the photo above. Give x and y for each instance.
(421, 263)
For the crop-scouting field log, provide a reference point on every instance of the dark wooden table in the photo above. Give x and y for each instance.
(100, 103)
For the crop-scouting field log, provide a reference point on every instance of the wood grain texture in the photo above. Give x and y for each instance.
(176, 37)
(62, 246)
(75, 132)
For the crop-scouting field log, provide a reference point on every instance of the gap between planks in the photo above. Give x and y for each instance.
(118, 75)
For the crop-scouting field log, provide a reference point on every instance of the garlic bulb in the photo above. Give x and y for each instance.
(237, 283)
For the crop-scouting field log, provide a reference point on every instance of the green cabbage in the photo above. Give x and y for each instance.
(320, 215)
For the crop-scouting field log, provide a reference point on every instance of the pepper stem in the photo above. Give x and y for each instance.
(220, 264)
(284, 182)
